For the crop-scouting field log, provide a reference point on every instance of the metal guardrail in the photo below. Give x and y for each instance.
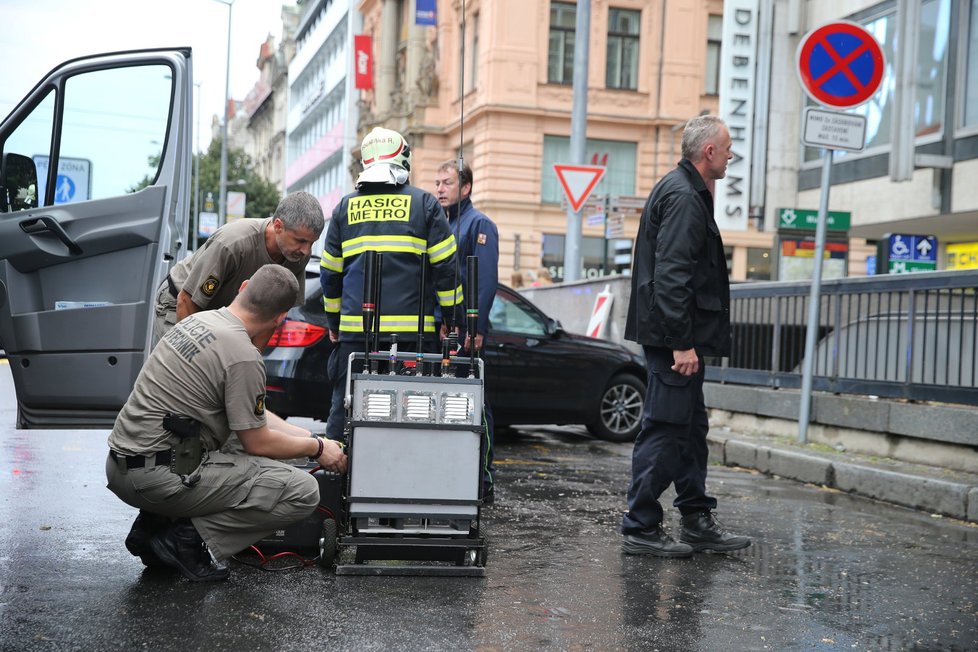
(911, 336)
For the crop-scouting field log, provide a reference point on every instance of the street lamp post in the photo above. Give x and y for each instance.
(223, 198)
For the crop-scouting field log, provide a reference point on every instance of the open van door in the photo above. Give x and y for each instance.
(94, 204)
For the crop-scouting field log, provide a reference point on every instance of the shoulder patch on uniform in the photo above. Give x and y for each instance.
(259, 405)
(210, 286)
(482, 238)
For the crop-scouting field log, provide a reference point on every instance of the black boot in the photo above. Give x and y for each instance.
(182, 548)
(656, 543)
(144, 528)
(703, 532)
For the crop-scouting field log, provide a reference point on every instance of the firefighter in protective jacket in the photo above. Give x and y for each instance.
(401, 222)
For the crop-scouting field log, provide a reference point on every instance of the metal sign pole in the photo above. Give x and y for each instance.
(814, 298)
(578, 136)
(832, 130)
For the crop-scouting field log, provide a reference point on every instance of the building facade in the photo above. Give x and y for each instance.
(501, 94)
(916, 175)
(495, 86)
(321, 127)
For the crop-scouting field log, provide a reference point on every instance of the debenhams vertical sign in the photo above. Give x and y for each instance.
(738, 55)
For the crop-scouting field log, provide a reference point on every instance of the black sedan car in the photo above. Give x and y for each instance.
(536, 373)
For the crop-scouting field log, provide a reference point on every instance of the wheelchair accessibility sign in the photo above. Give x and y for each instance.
(910, 253)
(74, 180)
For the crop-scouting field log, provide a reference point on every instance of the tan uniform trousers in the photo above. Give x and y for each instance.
(239, 500)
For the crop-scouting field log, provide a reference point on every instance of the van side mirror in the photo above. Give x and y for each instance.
(18, 183)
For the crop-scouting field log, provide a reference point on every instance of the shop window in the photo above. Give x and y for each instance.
(758, 264)
(971, 70)
(599, 256)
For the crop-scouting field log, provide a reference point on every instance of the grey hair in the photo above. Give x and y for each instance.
(271, 290)
(698, 132)
(300, 210)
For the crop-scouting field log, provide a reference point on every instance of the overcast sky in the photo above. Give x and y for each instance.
(39, 34)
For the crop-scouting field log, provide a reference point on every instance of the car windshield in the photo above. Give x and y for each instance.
(507, 315)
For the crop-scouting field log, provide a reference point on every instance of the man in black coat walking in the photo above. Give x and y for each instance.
(679, 311)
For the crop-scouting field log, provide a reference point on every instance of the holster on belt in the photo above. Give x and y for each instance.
(188, 451)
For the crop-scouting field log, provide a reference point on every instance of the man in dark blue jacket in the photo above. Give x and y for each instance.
(679, 311)
(476, 235)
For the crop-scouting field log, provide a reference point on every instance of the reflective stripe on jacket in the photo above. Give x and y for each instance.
(401, 223)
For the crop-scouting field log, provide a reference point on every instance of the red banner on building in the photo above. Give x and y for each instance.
(363, 65)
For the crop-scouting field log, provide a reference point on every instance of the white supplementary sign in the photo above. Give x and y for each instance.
(236, 204)
(738, 59)
(834, 130)
(206, 224)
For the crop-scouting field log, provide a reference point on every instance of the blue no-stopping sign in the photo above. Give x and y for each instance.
(840, 64)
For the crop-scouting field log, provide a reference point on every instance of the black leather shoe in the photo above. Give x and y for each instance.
(703, 532)
(182, 548)
(656, 543)
(146, 525)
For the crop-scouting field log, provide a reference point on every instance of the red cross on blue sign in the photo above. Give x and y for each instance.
(840, 64)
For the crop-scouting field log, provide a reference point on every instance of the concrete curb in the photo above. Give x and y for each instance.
(937, 496)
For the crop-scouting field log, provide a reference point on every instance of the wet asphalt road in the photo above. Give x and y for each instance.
(827, 571)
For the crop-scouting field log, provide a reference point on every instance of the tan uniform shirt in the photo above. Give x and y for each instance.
(205, 368)
(213, 273)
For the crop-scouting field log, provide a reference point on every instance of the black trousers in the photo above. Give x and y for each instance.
(671, 446)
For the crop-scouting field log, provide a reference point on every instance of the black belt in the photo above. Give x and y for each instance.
(139, 461)
(173, 287)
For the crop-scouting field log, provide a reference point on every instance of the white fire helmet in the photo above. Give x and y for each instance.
(386, 157)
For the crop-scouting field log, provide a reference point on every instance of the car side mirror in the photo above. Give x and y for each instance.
(553, 327)
(18, 183)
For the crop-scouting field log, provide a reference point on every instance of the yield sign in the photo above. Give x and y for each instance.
(578, 181)
(840, 64)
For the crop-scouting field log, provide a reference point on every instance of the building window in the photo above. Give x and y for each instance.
(929, 96)
(714, 32)
(617, 157)
(971, 70)
(622, 66)
(560, 60)
(473, 54)
(599, 256)
(758, 264)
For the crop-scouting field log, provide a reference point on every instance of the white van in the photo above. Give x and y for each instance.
(82, 250)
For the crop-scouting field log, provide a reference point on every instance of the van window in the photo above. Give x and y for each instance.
(102, 152)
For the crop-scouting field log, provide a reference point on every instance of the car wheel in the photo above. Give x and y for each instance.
(620, 410)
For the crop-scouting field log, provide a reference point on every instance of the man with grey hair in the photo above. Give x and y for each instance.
(679, 311)
(209, 277)
(205, 380)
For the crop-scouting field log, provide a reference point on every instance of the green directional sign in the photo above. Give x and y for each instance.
(801, 218)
